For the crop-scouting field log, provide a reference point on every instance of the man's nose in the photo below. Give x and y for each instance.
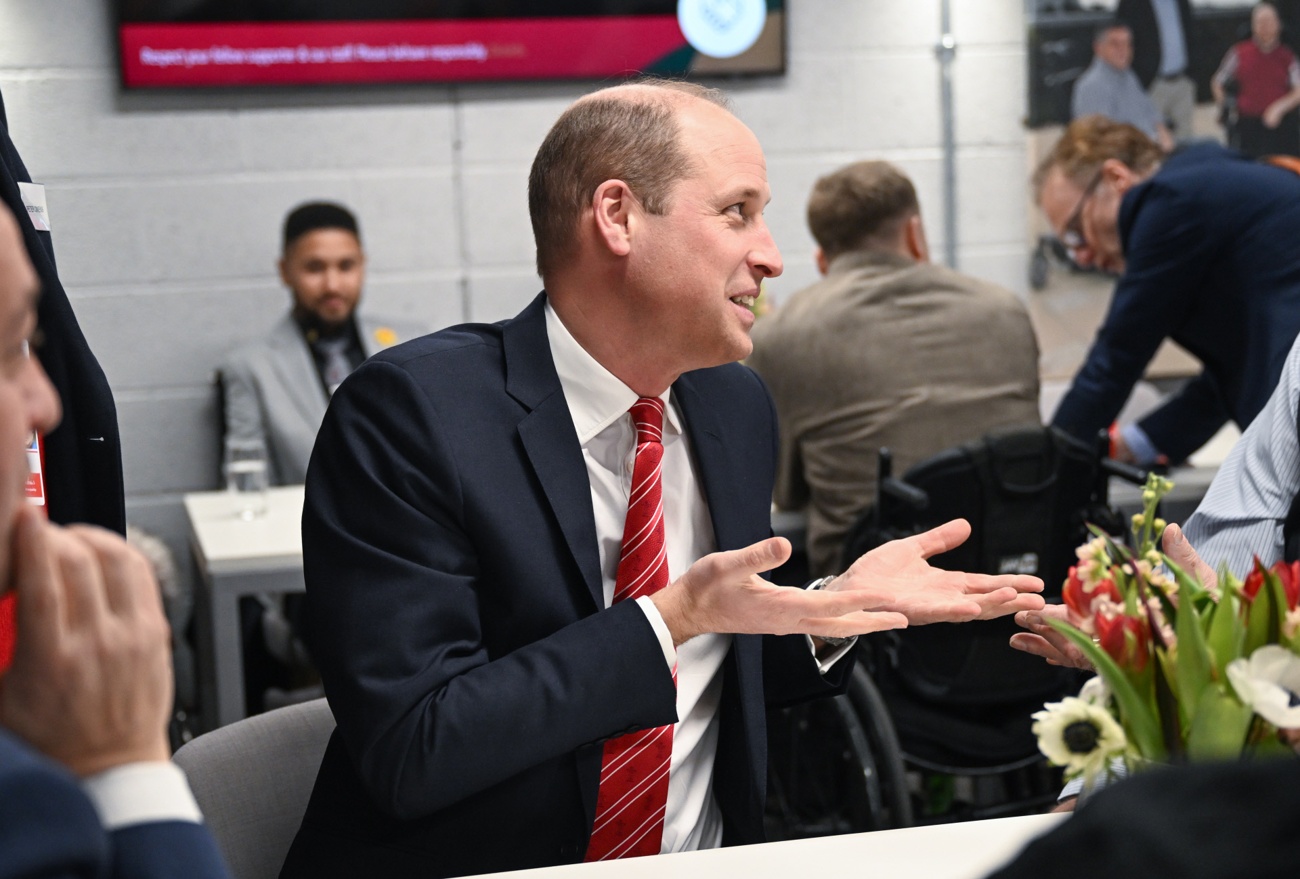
(766, 257)
(44, 411)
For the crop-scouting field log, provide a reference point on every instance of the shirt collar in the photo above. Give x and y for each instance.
(595, 395)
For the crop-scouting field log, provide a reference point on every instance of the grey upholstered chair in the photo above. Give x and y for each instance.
(252, 780)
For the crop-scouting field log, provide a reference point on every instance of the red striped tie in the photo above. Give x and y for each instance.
(634, 773)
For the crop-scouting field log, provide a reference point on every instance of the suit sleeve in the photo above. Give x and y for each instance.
(1168, 249)
(48, 828)
(397, 608)
(1187, 420)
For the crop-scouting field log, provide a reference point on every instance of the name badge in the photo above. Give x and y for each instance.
(34, 200)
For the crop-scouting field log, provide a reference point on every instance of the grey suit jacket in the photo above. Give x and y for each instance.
(273, 391)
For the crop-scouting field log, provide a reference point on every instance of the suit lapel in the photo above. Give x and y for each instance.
(715, 468)
(291, 360)
(550, 441)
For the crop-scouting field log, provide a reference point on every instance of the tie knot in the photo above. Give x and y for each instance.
(648, 416)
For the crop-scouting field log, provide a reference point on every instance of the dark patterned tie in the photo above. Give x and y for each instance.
(634, 772)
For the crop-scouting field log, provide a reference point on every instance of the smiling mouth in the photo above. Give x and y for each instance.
(745, 301)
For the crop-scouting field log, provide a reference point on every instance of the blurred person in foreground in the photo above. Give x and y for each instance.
(888, 349)
(533, 549)
(87, 787)
(1206, 244)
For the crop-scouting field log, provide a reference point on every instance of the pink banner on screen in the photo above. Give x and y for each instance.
(285, 53)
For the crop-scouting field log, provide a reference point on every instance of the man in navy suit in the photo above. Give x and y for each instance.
(465, 510)
(86, 784)
(1207, 246)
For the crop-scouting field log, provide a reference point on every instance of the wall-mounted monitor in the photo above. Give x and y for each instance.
(207, 43)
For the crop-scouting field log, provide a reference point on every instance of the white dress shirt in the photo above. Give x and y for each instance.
(599, 404)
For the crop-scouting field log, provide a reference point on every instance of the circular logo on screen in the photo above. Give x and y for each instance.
(721, 28)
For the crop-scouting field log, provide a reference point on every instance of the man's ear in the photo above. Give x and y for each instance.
(284, 275)
(613, 205)
(914, 239)
(1120, 176)
(819, 257)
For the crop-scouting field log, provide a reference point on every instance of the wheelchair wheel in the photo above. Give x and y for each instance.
(835, 767)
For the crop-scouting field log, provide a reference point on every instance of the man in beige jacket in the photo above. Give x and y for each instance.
(887, 349)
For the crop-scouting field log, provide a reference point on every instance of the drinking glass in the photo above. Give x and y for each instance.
(245, 466)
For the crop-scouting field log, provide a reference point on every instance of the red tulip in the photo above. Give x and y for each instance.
(1113, 632)
(1288, 574)
(1079, 598)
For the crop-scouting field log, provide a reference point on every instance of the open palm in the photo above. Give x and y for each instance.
(897, 576)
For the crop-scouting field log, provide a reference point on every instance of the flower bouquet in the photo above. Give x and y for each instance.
(1187, 671)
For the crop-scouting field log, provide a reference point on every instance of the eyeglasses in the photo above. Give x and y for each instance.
(1072, 232)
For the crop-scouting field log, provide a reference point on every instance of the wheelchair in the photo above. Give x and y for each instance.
(935, 725)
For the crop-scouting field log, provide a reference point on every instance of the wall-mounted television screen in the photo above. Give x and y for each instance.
(205, 43)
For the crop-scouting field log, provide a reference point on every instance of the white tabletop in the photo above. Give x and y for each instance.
(229, 544)
(965, 850)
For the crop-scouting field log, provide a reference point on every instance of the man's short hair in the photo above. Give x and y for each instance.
(1112, 24)
(318, 215)
(616, 136)
(858, 205)
(1088, 142)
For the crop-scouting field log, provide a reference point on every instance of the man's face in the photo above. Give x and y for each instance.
(1088, 212)
(1115, 47)
(1265, 26)
(324, 270)
(27, 399)
(697, 268)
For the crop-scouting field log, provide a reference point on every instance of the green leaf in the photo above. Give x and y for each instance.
(1219, 726)
(1261, 625)
(1192, 662)
(1139, 721)
(1226, 632)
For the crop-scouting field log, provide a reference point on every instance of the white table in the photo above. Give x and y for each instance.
(966, 850)
(237, 557)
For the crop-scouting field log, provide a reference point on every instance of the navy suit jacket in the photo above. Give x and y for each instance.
(1212, 243)
(49, 828)
(455, 609)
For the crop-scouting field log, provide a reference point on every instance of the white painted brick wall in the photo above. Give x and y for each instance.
(167, 207)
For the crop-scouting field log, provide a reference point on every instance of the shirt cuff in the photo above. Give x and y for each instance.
(826, 663)
(1144, 451)
(661, 629)
(141, 793)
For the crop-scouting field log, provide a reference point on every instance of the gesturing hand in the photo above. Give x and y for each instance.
(722, 592)
(1043, 640)
(90, 684)
(897, 577)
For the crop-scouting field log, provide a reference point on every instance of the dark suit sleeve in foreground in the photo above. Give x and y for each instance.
(49, 829)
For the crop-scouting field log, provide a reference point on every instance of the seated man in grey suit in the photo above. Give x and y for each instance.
(887, 350)
(276, 389)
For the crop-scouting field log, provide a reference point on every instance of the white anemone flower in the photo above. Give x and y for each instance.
(1095, 692)
(1269, 682)
(1078, 735)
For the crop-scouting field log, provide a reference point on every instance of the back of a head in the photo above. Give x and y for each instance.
(318, 215)
(1089, 141)
(862, 206)
(629, 133)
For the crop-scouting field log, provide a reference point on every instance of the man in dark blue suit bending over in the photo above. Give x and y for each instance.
(479, 502)
(1207, 246)
(86, 784)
